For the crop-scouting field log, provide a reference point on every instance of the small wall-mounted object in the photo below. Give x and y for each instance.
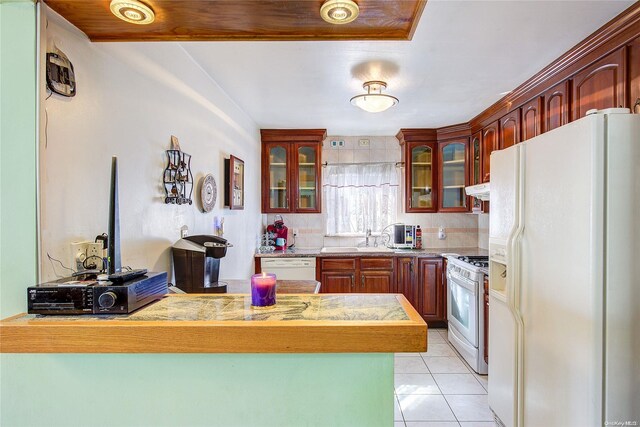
(234, 183)
(61, 78)
(208, 193)
(177, 179)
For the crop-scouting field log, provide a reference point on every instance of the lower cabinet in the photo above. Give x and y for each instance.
(337, 282)
(376, 282)
(432, 292)
(357, 275)
(406, 283)
(420, 280)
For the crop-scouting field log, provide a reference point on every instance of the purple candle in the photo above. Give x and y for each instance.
(263, 290)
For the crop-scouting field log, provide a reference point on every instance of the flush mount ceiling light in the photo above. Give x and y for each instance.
(374, 101)
(339, 11)
(132, 11)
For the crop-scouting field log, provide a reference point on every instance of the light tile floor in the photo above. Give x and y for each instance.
(439, 389)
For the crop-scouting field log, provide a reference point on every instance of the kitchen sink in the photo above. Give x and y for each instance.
(375, 249)
(338, 250)
(349, 249)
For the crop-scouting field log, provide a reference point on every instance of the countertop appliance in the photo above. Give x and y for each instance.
(84, 294)
(465, 308)
(564, 247)
(196, 261)
(404, 236)
(290, 268)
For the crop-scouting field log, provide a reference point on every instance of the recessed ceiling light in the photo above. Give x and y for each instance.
(132, 11)
(339, 11)
(374, 101)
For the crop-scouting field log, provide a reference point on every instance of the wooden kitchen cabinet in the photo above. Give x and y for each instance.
(337, 282)
(532, 118)
(356, 275)
(489, 143)
(453, 176)
(406, 280)
(419, 154)
(509, 129)
(291, 175)
(432, 293)
(376, 282)
(556, 106)
(600, 85)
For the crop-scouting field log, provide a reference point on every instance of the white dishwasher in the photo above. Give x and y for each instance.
(290, 268)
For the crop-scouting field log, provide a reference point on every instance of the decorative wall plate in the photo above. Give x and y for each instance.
(208, 193)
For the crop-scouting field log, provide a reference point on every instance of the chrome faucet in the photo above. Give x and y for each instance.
(367, 234)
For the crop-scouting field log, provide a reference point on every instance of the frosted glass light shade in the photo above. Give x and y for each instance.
(374, 101)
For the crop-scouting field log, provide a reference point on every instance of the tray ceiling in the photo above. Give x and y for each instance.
(206, 20)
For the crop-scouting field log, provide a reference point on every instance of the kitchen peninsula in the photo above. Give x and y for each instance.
(337, 370)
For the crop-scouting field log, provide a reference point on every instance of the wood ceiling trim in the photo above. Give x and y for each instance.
(243, 20)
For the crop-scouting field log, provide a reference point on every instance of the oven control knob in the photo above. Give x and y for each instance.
(107, 300)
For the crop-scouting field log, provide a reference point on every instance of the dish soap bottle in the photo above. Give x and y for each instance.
(418, 238)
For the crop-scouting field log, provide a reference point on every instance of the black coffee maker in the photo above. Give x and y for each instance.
(196, 262)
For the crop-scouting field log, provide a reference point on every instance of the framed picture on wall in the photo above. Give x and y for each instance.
(234, 183)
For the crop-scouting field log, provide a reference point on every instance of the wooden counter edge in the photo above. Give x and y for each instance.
(216, 337)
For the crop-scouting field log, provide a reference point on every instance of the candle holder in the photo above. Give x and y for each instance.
(263, 290)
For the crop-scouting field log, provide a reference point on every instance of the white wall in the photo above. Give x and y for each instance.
(131, 97)
(461, 228)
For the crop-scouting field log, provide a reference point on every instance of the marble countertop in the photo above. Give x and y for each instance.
(227, 323)
(283, 286)
(426, 252)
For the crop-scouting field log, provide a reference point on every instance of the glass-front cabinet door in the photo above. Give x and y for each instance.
(420, 177)
(278, 185)
(307, 164)
(291, 170)
(454, 175)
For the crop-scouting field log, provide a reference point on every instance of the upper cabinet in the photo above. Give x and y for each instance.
(291, 176)
(419, 154)
(600, 85)
(454, 175)
(489, 143)
(556, 106)
(532, 118)
(510, 129)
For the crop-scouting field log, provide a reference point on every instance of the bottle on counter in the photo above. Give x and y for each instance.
(418, 238)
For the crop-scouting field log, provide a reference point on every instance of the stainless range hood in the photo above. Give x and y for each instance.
(480, 191)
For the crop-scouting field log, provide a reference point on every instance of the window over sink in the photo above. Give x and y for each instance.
(359, 197)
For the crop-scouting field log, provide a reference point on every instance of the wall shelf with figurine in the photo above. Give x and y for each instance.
(177, 178)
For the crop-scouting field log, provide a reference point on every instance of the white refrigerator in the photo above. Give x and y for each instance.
(564, 298)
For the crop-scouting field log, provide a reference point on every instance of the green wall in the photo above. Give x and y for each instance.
(226, 390)
(18, 147)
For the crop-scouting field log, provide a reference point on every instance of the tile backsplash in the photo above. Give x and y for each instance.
(462, 230)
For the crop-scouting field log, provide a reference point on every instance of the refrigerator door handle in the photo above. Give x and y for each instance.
(514, 265)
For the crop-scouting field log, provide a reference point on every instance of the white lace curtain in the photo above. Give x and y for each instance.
(359, 197)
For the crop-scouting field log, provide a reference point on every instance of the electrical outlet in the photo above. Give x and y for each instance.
(79, 254)
(441, 234)
(363, 142)
(94, 256)
(295, 232)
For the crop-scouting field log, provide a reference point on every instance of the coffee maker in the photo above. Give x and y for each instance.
(196, 262)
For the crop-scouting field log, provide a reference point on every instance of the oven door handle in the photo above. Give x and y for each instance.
(470, 286)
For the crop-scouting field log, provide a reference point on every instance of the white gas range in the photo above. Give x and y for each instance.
(465, 307)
